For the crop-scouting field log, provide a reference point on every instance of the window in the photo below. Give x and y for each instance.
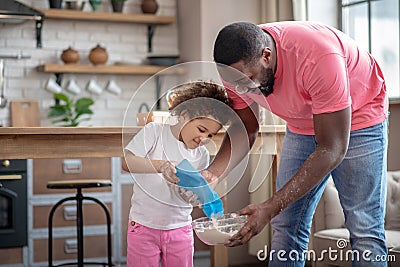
(374, 25)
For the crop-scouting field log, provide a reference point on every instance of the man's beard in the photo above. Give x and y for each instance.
(267, 84)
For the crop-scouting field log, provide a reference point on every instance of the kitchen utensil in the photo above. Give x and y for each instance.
(3, 100)
(93, 87)
(98, 55)
(25, 113)
(73, 87)
(149, 6)
(191, 179)
(218, 231)
(52, 86)
(70, 55)
(113, 87)
(162, 60)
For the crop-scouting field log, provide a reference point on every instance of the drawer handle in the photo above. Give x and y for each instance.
(71, 246)
(72, 166)
(70, 213)
(11, 177)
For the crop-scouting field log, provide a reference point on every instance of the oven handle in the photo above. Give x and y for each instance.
(11, 177)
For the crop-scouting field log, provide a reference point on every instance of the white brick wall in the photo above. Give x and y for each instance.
(123, 41)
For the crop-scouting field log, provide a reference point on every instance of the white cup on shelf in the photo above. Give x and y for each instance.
(93, 87)
(73, 87)
(113, 87)
(52, 86)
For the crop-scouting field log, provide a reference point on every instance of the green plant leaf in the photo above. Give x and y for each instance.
(56, 112)
(70, 111)
(83, 102)
(62, 97)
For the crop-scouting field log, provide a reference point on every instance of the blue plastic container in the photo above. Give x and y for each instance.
(191, 179)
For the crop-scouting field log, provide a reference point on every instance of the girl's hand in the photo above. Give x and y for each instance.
(210, 177)
(168, 170)
(189, 197)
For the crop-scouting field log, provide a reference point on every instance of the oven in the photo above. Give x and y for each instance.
(13, 203)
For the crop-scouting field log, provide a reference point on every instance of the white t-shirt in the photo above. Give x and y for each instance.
(154, 203)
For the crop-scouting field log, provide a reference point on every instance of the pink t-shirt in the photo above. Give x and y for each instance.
(320, 70)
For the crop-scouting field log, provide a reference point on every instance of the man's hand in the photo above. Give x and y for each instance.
(258, 216)
(168, 171)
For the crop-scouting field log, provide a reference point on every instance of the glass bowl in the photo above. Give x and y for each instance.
(218, 231)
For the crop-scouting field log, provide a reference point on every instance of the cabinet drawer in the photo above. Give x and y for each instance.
(45, 170)
(11, 256)
(65, 215)
(65, 248)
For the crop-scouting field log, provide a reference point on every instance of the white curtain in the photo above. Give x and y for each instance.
(300, 9)
(276, 10)
(281, 10)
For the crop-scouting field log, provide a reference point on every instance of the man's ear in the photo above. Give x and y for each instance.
(266, 55)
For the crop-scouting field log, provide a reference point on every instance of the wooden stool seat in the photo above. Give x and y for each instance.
(79, 184)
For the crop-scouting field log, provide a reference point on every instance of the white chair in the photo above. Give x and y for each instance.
(328, 225)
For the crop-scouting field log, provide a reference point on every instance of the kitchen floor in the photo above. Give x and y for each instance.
(203, 260)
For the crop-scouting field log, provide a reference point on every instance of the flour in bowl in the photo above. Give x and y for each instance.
(213, 236)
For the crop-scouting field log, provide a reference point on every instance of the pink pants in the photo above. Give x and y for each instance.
(147, 246)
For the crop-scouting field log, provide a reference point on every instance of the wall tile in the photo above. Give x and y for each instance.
(123, 41)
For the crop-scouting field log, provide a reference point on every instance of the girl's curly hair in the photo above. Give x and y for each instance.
(197, 109)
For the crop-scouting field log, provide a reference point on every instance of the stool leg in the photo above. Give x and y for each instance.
(50, 228)
(79, 226)
(108, 217)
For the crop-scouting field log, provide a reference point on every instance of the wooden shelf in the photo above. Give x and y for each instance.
(108, 16)
(101, 69)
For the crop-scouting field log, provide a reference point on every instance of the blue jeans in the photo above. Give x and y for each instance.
(361, 182)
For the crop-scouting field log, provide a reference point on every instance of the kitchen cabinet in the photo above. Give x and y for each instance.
(42, 199)
(12, 256)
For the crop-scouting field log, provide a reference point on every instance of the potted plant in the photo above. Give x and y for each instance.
(117, 5)
(95, 4)
(55, 4)
(68, 111)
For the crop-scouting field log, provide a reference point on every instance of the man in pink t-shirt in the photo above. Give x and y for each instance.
(333, 97)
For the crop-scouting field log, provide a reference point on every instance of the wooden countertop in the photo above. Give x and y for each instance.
(71, 142)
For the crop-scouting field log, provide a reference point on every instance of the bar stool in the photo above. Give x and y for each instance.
(78, 185)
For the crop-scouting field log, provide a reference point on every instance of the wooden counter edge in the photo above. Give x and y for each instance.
(74, 142)
(101, 130)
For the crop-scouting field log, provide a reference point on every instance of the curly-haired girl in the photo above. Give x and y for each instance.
(159, 221)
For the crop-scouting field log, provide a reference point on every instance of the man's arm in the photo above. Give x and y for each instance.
(332, 132)
(235, 146)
